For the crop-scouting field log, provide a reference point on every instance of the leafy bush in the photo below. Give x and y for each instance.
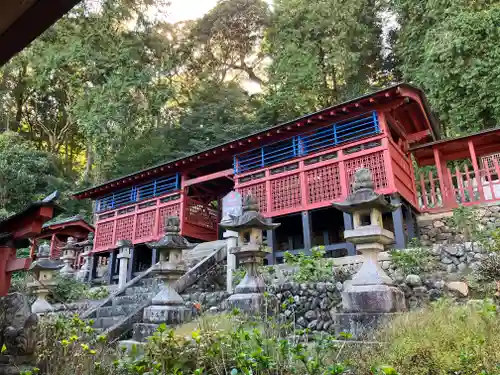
(414, 260)
(442, 340)
(465, 220)
(67, 289)
(311, 268)
(97, 293)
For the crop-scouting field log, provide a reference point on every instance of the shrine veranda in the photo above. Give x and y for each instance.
(296, 170)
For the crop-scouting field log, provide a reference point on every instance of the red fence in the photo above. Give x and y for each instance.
(317, 180)
(464, 186)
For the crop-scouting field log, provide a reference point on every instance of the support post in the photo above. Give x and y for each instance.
(447, 193)
(131, 263)
(306, 230)
(348, 225)
(111, 265)
(410, 223)
(271, 243)
(7, 253)
(124, 256)
(397, 219)
(93, 267)
(232, 242)
(477, 172)
(154, 256)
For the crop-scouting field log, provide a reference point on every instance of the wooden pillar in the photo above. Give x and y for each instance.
(351, 249)
(447, 193)
(131, 264)
(111, 265)
(397, 219)
(93, 266)
(52, 245)
(271, 242)
(7, 253)
(411, 223)
(477, 172)
(154, 256)
(306, 230)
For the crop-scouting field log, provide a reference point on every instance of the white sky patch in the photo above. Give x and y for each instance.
(182, 10)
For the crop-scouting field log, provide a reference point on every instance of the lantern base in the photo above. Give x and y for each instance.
(373, 299)
(167, 314)
(250, 303)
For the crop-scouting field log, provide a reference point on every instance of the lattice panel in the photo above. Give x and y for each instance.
(324, 183)
(145, 224)
(124, 228)
(104, 235)
(201, 215)
(374, 162)
(258, 191)
(285, 193)
(172, 210)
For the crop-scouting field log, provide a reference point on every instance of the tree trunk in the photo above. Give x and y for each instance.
(89, 160)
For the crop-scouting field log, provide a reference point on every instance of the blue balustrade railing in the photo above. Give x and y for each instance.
(138, 193)
(344, 131)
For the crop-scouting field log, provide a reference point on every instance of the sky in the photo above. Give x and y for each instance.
(181, 10)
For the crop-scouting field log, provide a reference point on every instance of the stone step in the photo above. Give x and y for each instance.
(138, 290)
(132, 299)
(142, 331)
(106, 322)
(149, 283)
(107, 311)
(202, 250)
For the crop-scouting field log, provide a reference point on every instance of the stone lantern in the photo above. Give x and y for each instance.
(168, 306)
(86, 267)
(68, 257)
(250, 253)
(371, 290)
(43, 270)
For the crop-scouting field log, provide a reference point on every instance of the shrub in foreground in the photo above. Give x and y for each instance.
(441, 340)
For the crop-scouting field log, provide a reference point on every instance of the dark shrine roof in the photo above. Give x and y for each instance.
(68, 220)
(23, 21)
(403, 92)
(486, 142)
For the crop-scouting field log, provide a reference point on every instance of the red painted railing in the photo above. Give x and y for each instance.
(138, 223)
(315, 181)
(462, 186)
(200, 220)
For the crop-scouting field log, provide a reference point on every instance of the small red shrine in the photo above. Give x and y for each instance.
(295, 170)
(58, 232)
(16, 231)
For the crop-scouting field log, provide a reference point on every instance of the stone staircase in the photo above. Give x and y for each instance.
(116, 315)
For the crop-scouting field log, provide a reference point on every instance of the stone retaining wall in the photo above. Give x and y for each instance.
(439, 228)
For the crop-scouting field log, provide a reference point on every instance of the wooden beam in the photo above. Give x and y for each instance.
(415, 137)
(208, 177)
(18, 264)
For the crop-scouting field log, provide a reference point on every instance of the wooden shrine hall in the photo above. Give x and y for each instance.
(295, 170)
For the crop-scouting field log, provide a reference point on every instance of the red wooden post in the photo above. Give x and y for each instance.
(269, 194)
(488, 178)
(7, 253)
(423, 190)
(387, 154)
(157, 224)
(477, 172)
(497, 168)
(182, 207)
(433, 190)
(470, 188)
(460, 184)
(303, 186)
(444, 181)
(52, 245)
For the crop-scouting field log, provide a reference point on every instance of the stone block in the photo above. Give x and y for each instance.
(176, 314)
(142, 331)
(373, 299)
(360, 325)
(131, 347)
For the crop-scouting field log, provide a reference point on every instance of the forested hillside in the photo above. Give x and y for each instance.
(113, 87)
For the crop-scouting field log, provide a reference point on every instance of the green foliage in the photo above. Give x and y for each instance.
(444, 339)
(315, 267)
(414, 260)
(465, 220)
(67, 289)
(450, 49)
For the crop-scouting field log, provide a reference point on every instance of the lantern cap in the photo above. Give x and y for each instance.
(250, 218)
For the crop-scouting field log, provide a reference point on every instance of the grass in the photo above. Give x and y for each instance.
(441, 340)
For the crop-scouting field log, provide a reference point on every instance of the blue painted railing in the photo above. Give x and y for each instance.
(348, 130)
(138, 193)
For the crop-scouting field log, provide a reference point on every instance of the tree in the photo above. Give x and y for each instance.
(26, 174)
(450, 49)
(322, 52)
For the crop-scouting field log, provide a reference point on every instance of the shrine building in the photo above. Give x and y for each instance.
(296, 170)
